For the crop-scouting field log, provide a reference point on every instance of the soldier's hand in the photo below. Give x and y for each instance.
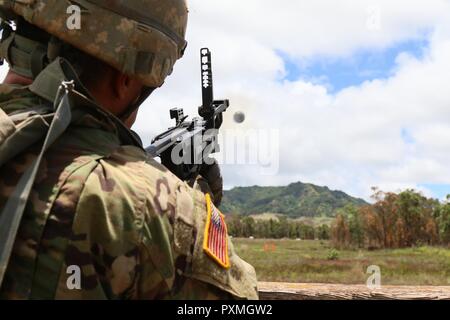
(211, 173)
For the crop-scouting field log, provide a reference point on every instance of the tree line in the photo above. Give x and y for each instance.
(245, 227)
(394, 220)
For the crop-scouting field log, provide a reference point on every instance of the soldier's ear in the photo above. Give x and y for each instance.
(121, 85)
(126, 88)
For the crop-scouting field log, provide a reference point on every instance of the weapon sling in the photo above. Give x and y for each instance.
(13, 211)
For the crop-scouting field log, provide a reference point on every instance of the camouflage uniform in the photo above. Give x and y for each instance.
(135, 230)
(99, 203)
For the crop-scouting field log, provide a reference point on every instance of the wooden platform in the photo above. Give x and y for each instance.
(310, 291)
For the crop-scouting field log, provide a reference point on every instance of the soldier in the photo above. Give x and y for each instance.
(101, 220)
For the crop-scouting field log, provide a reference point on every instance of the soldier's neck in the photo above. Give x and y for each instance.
(14, 78)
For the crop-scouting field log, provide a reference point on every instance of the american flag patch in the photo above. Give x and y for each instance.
(216, 235)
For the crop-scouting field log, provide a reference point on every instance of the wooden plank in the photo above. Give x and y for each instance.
(314, 291)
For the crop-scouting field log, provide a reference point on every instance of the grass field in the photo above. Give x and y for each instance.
(310, 261)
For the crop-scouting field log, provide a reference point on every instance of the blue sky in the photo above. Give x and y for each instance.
(439, 191)
(364, 65)
(407, 137)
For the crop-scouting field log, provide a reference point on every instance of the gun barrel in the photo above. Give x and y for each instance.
(181, 134)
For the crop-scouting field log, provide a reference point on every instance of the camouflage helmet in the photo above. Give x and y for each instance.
(142, 38)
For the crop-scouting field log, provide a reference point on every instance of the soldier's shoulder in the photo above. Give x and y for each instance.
(150, 181)
(128, 179)
(201, 236)
(144, 193)
(201, 243)
(129, 187)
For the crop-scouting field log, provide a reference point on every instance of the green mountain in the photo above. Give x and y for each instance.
(295, 200)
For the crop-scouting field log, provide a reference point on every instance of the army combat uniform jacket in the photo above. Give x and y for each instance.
(102, 211)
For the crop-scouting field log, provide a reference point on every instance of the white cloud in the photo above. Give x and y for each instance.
(350, 140)
(327, 27)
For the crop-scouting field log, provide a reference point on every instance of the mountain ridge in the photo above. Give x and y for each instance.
(294, 200)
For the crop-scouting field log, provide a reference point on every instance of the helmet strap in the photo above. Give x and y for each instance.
(146, 92)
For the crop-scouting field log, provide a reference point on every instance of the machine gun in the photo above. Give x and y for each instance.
(184, 148)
